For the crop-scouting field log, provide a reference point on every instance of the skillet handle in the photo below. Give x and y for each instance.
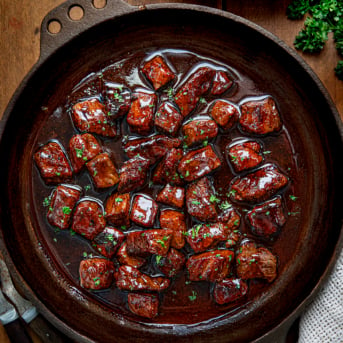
(69, 28)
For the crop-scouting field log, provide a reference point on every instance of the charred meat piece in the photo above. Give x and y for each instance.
(141, 114)
(153, 148)
(259, 185)
(166, 170)
(52, 163)
(197, 85)
(267, 218)
(221, 83)
(88, 219)
(198, 130)
(91, 116)
(126, 259)
(245, 155)
(133, 174)
(117, 209)
(103, 171)
(108, 241)
(210, 266)
(229, 290)
(168, 119)
(231, 220)
(143, 304)
(253, 262)
(158, 72)
(176, 222)
(198, 200)
(225, 114)
(172, 195)
(96, 273)
(117, 99)
(171, 264)
(198, 163)
(62, 204)
(144, 243)
(144, 210)
(82, 149)
(260, 116)
(131, 279)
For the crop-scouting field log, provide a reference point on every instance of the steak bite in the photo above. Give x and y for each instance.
(52, 163)
(197, 85)
(260, 116)
(152, 148)
(221, 83)
(210, 266)
(253, 262)
(199, 130)
(91, 116)
(103, 171)
(259, 185)
(231, 221)
(141, 114)
(172, 195)
(62, 204)
(117, 209)
(117, 99)
(176, 222)
(172, 263)
(198, 200)
(198, 163)
(96, 273)
(225, 114)
(131, 279)
(88, 219)
(133, 174)
(82, 149)
(229, 290)
(144, 210)
(126, 259)
(143, 304)
(144, 243)
(245, 155)
(108, 241)
(168, 119)
(266, 219)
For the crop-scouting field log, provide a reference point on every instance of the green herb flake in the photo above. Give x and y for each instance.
(193, 296)
(66, 210)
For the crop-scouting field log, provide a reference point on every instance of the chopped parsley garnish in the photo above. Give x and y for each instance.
(225, 205)
(158, 259)
(293, 198)
(118, 200)
(213, 198)
(66, 210)
(46, 201)
(79, 152)
(193, 296)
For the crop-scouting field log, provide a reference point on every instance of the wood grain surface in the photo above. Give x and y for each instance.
(20, 22)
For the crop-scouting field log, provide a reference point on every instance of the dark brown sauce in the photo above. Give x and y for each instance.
(68, 249)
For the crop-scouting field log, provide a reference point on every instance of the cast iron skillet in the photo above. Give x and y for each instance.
(106, 35)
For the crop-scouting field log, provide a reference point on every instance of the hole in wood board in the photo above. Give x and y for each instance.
(54, 26)
(76, 12)
(99, 3)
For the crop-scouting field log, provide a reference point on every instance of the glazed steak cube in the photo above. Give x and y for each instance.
(245, 155)
(117, 209)
(225, 114)
(144, 210)
(197, 85)
(168, 119)
(103, 171)
(176, 222)
(258, 186)
(158, 72)
(126, 259)
(267, 218)
(198, 130)
(91, 116)
(198, 200)
(231, 221)
(198, 163)
(131, 279)
(133, 174)
(96, 273)
(171, 264)
(143, 304)
(62, 204)
(221, 83)
(141, 114)
(82, 149)
(117, 99)
(229, 290)
(52, 163)
(144, 243)
(108, 241)
(88, 219)
(253, 262)
(260, 116)
(172, 195)
(210, 266)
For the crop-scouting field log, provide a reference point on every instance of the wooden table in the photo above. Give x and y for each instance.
(19, 43)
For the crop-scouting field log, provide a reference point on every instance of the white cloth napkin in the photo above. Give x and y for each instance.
(322, 322)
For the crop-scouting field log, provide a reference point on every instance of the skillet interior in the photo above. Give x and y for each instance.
(309, 116)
